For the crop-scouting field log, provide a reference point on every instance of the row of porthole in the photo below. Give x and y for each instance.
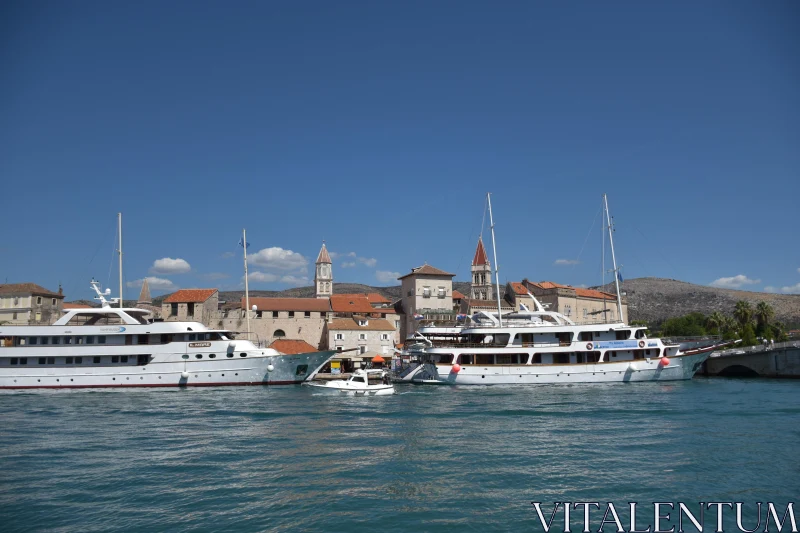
(556, 375)
(212, 355)
(115, 379)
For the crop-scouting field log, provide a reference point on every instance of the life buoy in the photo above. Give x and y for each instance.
(641, 344)
(589, 346)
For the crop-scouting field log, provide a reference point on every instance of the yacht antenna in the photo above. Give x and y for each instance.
(119, 225)
(613, 258)
(494, 252)
(246, 287)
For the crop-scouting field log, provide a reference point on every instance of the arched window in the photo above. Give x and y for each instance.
(279, 333)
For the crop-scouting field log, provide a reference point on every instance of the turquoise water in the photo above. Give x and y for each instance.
(427, 459)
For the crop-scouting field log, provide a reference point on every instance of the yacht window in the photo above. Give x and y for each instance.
(44, 340)
(101, 339)
(143, 339)
(56, 340)
(78, 340)
(78, 360)
(242, 355)
(561, 358)
(90, 339)
(23, 360)
(42, 360)
(123, 359)
(69, 360)
(67, 340)
(128, 340)
(537, 359)
(14, 361)
(623, 334)
(230, 355)
(32, 340)
(115, 359)
(358, 379)
(51, 360)
(96, 360)
(466, 359)
(198, 356)
(192, 337)
(301, 369)
(212, 356)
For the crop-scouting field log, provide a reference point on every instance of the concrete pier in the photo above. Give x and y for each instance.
(780, 361)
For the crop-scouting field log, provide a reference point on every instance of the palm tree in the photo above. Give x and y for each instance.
(743, 312)
(764, 315)
(714, 321)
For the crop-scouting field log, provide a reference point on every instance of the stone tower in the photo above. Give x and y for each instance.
(323, 277)
(144, 296)
(481, 274)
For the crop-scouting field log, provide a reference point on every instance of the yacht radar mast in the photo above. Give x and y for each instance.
(101, 296)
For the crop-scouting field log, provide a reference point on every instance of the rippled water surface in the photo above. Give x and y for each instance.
(428, 459)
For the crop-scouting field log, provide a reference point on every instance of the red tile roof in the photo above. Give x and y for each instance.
(27, 288)
(350, 303)
(190, 296)
(480, 254)
(375, 298)
(373, 324)
(591, 293)
(427, 270)
(518, 288)
(290, 346)
(322, 305)
(457, 295)
(68, 305)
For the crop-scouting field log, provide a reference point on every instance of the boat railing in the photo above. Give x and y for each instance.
(756, 349)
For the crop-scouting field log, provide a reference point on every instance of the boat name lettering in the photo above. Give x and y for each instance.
(616, 344)
(199, 344)
(119, 329)
(651, 344)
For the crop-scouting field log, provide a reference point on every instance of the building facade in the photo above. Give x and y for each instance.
(481, 269)
(578, 304)
(193, 305)
(323, 274)
(29, 304)
(427, 293)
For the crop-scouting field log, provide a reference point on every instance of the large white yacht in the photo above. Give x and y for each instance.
(119, 347)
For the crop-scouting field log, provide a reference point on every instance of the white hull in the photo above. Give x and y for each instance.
(679, 368)
(372, 390)
(168, 370)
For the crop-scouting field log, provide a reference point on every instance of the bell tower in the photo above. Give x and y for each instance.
(481, 274)
(323, 277)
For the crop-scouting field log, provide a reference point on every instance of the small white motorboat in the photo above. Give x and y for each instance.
(370, 382)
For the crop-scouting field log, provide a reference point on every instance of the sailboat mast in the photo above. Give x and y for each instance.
(494, 253)
(613, 258)
(246, 287)
(119, 227)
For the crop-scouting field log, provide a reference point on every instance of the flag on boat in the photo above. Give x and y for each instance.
(241, 243)
(461, 317)
(619, 276)
(418, 317)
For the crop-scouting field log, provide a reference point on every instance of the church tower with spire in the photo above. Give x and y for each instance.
(481, 274)
(144, 296)
(323, 277)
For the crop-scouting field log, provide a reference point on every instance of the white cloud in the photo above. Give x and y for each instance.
(348, 265)
(167, 265)
(564, 262)
(370, 262)
(385, 276)
(278, 259)
(295, 280)
(261, 276)
(335, 255)
(794, 289)
(227, 255)
(770, 288)
(734, 282)
(156, 284)
(351, 254)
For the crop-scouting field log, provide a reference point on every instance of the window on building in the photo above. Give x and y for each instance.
(173, 310)
(190, 310)
(426, 292)
(38, 316)
(279, 333)
(16, 302)
(384, 336)
(339, 336)
(338, 348)
(363, 349)
(442, 292)
(308, 314)
(15, 316)
(291, 314)
(38, 300)
(397, 324)
(54, 301)
(275, 314)
(362, 336)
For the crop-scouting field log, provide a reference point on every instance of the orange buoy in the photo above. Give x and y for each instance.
(456, 368)
(664, 361)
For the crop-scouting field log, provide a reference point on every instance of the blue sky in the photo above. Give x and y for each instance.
(380, 126)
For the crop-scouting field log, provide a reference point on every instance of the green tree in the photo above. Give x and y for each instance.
(714, 322)
(729, 328)
(779, 332)
(743, 313)
(748, 335)
(764, 315)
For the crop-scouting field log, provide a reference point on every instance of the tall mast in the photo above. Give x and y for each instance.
(246, 287)
(613, 258)
(119, 226)
(494, 252)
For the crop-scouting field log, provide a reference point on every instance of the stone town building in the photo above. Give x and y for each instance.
(349, 305)
(281, 318)
(193, 305)
(29, 304)
(323, 275)
(481, 286)
(292, 346)
(366, 336)
(580, 305)
(146, 302)
(426, 291)
(518, 296)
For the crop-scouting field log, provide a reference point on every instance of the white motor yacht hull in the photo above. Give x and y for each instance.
(337, 390)
(679, 368)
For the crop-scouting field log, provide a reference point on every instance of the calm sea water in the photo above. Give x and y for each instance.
(427, 459)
